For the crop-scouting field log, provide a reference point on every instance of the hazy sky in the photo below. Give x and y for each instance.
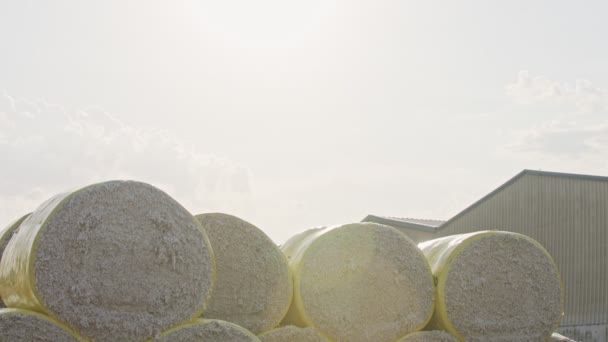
(297, 114)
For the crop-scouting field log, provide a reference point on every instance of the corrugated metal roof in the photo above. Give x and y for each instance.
(517, 177)
(432, 225)
(420, 224)
(424, 222)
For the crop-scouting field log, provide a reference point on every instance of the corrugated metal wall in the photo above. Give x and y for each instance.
(569, 217)
(416, 235)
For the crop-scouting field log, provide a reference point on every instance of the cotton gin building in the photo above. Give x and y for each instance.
(567, 214)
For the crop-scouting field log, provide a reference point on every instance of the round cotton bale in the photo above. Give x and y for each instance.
(18, 325)
(494, 286)
(359, 282)
(253, 287)
(6, 234)
(117, 261)
(291, 333)
(429, 336)
(208, 330)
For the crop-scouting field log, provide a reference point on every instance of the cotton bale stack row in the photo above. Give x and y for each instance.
(122, 261)
(490, 286)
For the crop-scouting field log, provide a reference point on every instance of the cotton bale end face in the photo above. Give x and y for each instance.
(254, 287)
(291, 333)
(493, 285)
(18, 325)
(359, 282)
(207, 330)
(117, 261)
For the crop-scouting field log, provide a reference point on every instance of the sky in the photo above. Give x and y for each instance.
(292, 115)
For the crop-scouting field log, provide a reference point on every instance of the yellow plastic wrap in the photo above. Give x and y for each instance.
(441, 253)
(6, 234)
(21, 312)
(17, 266)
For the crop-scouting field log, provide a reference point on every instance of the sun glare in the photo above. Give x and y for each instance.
(262, 24)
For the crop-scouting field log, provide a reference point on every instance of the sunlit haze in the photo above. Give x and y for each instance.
(298, 114)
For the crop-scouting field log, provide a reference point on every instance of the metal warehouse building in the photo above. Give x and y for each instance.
(567, 214)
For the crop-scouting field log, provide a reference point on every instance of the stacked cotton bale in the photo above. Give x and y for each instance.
(28, 326)
(5, 236)
(207, 330)
(116, 261)
(429, 336)
(359, 282)
(122, 261)
(494, 286)
(290, 333)
(253, 287)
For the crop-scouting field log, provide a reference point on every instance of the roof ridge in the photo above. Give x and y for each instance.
(412, 223)
(412, 218)
(564, 174)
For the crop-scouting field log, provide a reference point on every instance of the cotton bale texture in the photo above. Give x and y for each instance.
(494, 286)
(117, 261)
(18, 325)
(207, 330)
(253, 287)
(5, 236)
(359, 282)
(291, 333)
(429, 336)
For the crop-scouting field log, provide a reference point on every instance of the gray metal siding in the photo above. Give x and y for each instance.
(416, 235)
(569, 217)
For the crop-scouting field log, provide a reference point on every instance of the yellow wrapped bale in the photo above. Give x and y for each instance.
(429, 336)
(291, 333)
(5, 236)
(253, 287)
(18, 325)
(359, 282)
(494, 286)
(207, 330)
(117, 261)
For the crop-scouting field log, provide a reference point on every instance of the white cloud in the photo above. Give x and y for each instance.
(47, 149)
(563, 139)
(585, 96)
(577, 134)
